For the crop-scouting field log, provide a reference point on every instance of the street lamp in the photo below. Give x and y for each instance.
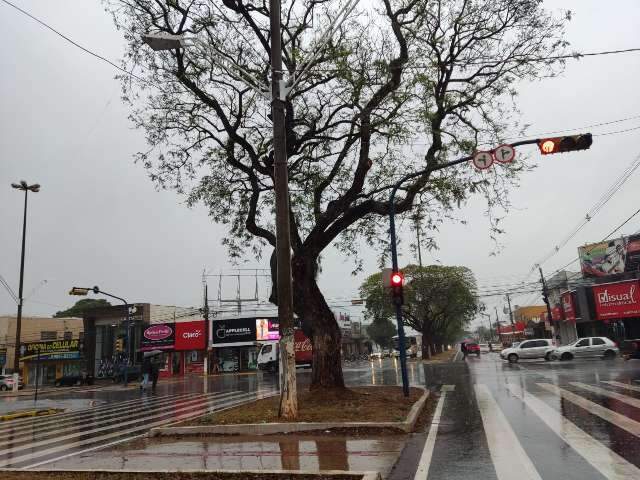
(82, 291)
(26, 188)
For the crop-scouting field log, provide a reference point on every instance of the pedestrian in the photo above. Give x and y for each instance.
(216, 364)
(147, 370)
(155, 372)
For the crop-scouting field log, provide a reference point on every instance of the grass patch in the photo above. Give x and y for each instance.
(442, 357)
(359, 404)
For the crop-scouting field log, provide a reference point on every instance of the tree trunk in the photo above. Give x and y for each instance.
(426, 346)
(310, 306)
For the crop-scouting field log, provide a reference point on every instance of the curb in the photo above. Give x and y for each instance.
(275, 428)
(157, 474)
(30, 413)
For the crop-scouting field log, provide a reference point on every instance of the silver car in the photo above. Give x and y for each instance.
(587, 347)
(536, 348)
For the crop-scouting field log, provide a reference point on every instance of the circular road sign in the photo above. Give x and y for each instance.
(482, 160)
(504, 153)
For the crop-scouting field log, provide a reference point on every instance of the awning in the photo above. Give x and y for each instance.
(237, 344)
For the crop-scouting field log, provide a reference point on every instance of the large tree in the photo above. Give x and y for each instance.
(81, 307)
(400, 86)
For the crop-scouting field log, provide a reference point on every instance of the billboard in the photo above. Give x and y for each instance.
(610, 257)
(267, 329)
(617, 300)
(51, 350)
(237, 330)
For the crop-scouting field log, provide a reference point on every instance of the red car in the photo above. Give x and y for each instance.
(469, 348)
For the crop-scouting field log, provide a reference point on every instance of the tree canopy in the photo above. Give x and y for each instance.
(395, 86)
(81, 306)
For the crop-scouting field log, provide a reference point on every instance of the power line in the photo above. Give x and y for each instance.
(8, 288)
(86, 50)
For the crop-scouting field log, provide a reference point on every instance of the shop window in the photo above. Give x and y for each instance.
(68, 335)
(48, 336)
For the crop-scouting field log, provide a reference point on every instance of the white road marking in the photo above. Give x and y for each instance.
(509, 458)
(89, 417)
(610, 416)
(623, 385)
(427, 452)
(634, 402)
(181, 414)
(116, 417)
(611, 465)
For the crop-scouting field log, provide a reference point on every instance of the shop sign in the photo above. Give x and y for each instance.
(617, 300)
(267, 329)
(160, 336)
(237, 330)
(191, 335)
(569, 306)
(51, 350)
(556, 313)
(302, 347)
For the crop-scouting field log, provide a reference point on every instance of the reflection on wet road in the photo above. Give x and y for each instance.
(533, 420)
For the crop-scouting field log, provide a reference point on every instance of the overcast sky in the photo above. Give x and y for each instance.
(99, 220)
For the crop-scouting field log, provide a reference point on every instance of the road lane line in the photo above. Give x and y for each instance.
(634, 402)
(180, 414)
(56, 430)
(623, 385)
(103, 407)
(156, 413)
(509, 458)
(610, 416)
(87, 417)
(210, 407)
(427, 452)
(606, 461)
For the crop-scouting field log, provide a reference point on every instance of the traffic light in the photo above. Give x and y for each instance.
(569, 143)
(397, 280)
(120, 345)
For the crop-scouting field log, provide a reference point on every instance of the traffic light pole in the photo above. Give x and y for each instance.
(545, 296)
(394, 249)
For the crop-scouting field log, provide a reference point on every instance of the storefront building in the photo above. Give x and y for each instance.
(236, 342)
(51, 360)
(617, 310)
(181, 346)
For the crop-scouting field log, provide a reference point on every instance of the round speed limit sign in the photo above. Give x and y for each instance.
(482, 160)
(504, 153)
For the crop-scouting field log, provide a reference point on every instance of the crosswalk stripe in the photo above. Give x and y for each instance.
(427, 453)
(54, 421)
(634, 402)
(623, 385)
(124, 435)
(610, 416)
(259, 395)
(155, 413)
(41, 420)
(611, 465)
(13, 439)
(506, 451)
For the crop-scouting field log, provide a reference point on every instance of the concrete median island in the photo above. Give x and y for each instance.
(354, 409)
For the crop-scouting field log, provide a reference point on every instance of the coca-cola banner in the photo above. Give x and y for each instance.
(160, 336)
(191, 335)
(617, 300)
(569, 306)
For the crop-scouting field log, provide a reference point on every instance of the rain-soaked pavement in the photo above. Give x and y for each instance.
(533, 420)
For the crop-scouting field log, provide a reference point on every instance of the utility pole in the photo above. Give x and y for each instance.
(288, 395)
(545, 295)
(205, 313)
(513, 327)
(498, 325)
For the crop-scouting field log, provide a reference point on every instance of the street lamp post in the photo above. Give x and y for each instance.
(26, 188)
(81, 291)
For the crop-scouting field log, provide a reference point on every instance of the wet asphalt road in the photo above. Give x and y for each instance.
(576, 420)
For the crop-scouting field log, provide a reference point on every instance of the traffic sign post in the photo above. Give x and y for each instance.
(482, 160)
(504, 154)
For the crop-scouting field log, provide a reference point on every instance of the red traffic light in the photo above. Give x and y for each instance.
(397, 279)
(569, 143)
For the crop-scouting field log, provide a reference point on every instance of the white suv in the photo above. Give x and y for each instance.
(536, 348)
(587, 347)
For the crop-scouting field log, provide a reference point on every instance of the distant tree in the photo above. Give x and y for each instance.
(81, 306)
(382, 332)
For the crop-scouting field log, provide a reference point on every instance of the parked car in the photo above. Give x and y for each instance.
(535, 348)
(375, 356)
(484, 347)
(6, 382)
(587, 347)
(395, 353)
(74, 379)
(386, 353)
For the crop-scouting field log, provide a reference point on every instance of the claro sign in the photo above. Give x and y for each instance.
(191, 335)
(617, 300)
